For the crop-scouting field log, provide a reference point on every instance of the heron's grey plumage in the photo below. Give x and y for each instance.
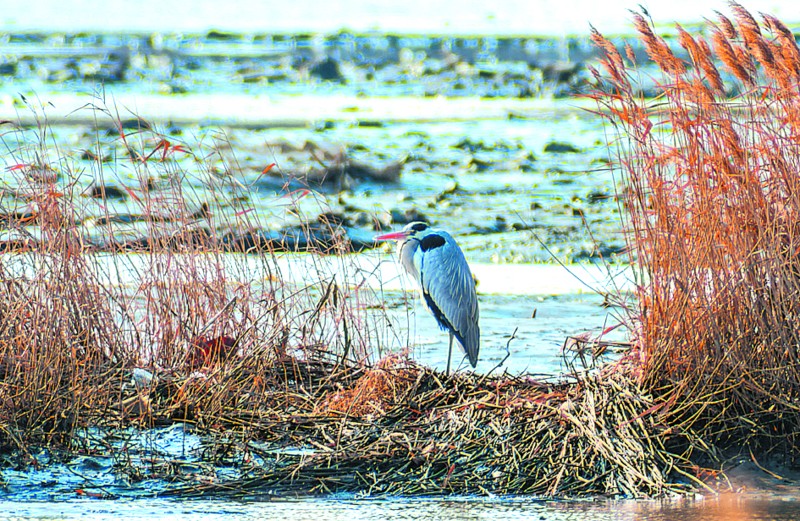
(446, 283)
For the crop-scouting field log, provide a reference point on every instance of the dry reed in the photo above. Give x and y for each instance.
(712, 204)
(76, 321)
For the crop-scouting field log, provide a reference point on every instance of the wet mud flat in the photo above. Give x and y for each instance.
(477, 134)
(481, 154)
(369, 64)
(359, 64)
(515, 190)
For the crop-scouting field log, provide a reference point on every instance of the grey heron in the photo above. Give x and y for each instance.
(434, 260)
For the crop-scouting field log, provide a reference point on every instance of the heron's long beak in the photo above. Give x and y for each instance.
(394, 236)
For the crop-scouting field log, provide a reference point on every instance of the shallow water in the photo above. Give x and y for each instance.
(725, 508)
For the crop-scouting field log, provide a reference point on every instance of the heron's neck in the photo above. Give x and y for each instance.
(406, 250)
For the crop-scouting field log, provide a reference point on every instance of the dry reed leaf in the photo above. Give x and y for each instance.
(710, 200)
(657, 48)
(729, 57)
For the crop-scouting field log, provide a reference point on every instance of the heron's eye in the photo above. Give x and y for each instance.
(418, 227)
(431, 242)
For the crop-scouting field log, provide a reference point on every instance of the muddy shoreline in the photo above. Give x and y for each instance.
(513, 190)
(374, 65)
(362, 65)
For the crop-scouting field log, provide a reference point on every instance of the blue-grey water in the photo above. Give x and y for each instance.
(726, 508)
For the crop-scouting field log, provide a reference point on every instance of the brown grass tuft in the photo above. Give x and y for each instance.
(613, 60)
(78, 320)
(380, 388)
(657, 48)
(700, 58)
(713, 201)
(787, 50)
(748, 27)
(730, 56)
(712, 73)
(727, 27)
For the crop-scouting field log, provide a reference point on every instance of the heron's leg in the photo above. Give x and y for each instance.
(449, 354)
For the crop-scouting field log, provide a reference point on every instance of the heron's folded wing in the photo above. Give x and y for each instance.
(449, 291)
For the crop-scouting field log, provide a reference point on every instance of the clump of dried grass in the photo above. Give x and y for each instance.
(402, 429)
(712, 203)
(76, 321)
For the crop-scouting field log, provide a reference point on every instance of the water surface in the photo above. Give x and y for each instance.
(724, 508)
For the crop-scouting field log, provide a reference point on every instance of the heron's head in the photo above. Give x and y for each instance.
(409, 240)
(410, 230)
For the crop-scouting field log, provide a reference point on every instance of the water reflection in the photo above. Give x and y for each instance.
(726, 507)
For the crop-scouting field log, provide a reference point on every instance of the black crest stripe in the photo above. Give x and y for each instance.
(418, 227)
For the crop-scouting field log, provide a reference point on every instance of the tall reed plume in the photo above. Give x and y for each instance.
(712, 191)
